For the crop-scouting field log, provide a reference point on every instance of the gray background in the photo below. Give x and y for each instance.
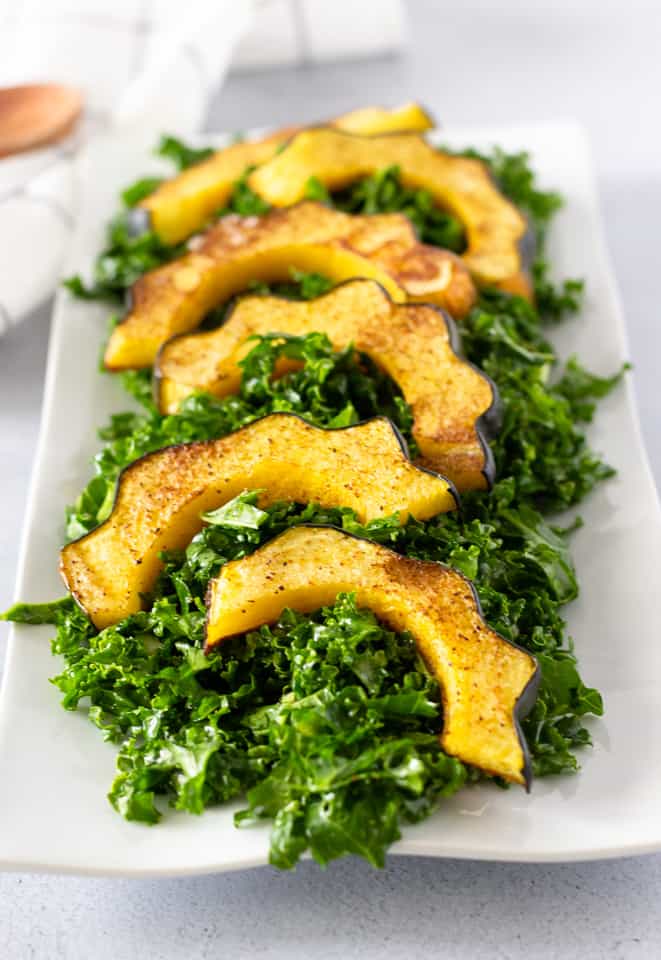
(486, 62)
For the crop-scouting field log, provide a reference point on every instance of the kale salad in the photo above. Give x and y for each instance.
(327, 724)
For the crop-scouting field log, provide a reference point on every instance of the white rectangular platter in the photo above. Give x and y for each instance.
(54, 768)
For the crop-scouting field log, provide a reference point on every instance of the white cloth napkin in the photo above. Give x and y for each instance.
(302, 31)
(150, 65)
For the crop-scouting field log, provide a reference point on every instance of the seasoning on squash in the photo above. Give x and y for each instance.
(184, 204)
(309, 237)
(451, 401)
(486, 682)
(496, 231)
(160, 497)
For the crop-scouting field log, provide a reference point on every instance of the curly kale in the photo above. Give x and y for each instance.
(327, 723)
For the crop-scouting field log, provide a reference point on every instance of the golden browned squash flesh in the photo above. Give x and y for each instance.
(485, 681)
(370, 121)
(412, 343)
(160, 497)
(495, 229)
(174, 298)
(184, 204)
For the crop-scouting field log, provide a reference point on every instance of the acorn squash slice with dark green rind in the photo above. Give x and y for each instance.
(161, 496)
(496, 231)
(451, 401)
(174, 298)
(486, 682)
(184, 204)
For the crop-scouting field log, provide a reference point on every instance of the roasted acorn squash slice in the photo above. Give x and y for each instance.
(485, 681)
(496, 231)
(237, 250)
(184, 204)
(161, 496)
(413, 343)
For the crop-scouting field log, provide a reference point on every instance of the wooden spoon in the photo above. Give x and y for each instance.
(36, 114)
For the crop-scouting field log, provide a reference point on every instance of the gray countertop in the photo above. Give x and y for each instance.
(506, 62)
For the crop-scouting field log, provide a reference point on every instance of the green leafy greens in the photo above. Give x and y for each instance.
(332, 389)
(125, 257)
(384, 193)
(328, 723)
(181, 154)
(129, 253)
